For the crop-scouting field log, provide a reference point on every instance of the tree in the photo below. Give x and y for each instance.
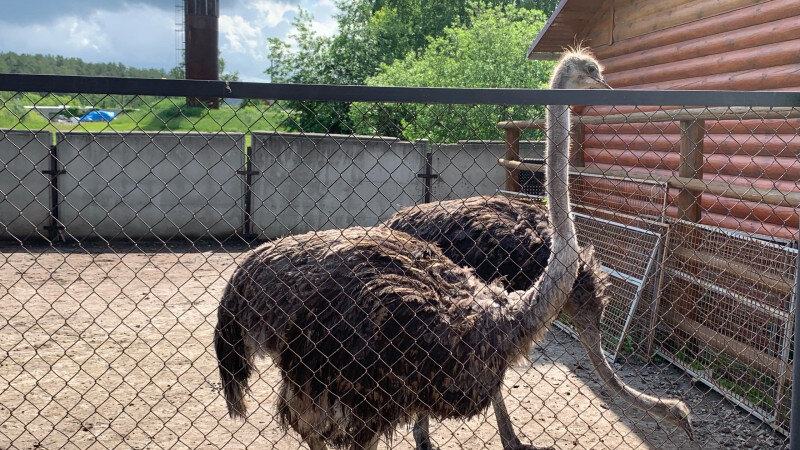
(489, 53)
(372, 34)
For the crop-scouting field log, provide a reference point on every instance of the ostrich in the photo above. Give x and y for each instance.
(509, 240)
(372, 327)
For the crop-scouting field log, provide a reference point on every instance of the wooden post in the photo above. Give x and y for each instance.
(512, 154)
(691, 166)
(577, 159)
(576, 156)
(689, 209)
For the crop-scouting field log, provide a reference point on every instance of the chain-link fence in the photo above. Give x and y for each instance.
(375, 260)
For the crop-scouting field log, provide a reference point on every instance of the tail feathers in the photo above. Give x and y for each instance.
(234, 364)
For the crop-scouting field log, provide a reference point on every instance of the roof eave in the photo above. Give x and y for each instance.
(544, 29)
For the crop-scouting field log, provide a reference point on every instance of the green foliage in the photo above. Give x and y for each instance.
(489, 53)
(374, 34)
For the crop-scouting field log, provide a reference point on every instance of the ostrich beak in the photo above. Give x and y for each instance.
(603, 83)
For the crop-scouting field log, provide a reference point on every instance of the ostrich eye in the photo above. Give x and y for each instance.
(591, 69)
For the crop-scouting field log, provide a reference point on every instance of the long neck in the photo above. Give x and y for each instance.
(655, 406)
(534, 310)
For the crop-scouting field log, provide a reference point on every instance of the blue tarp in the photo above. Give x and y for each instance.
(98, 116)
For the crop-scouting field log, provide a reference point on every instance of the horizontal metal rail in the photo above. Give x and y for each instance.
(311, 92)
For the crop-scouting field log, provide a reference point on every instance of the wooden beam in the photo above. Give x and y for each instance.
(782, 284)
(753, 194)
(739, 351)
(512, 154)
(672, 115)
(691, 166)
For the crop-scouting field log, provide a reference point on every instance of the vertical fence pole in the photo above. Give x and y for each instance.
(248, 173)
(689, 209)
(794, 420)
(691, 166)
(512, 154)
(55, 227)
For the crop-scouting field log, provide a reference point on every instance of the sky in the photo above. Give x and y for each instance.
(141, 33)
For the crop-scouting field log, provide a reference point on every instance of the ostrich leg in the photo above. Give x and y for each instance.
(422, 434)
(507, 435)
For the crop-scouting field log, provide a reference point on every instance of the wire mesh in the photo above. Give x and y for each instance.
(120, 240)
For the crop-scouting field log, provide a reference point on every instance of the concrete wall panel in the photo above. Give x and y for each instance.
(24, 189)
(470, 168)
(317, 182)
(151, 185)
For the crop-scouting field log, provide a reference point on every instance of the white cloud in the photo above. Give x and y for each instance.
(271, 13)
(99, 36)
(141, 33)
(238, 36)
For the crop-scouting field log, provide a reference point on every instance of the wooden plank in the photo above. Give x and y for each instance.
(512, 154)
(776, 145)
(717, 25)
(770, 55)
(770, 167)
(672, 115)
(760, 195)
(771, 78)
(723, 42)
(744, 353)
(763, 129)
(781, 284)
(635, 12)
(600, 28)
(675, 17)
(735, 180)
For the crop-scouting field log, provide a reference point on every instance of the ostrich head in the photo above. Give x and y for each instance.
(578, 69)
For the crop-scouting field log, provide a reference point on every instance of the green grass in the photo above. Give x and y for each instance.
(164, 115)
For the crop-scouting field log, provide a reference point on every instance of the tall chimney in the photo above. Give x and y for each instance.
(202, 45)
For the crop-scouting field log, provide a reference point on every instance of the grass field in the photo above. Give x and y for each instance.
(162, 115)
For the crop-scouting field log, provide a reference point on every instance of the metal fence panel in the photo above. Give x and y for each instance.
(107, 337)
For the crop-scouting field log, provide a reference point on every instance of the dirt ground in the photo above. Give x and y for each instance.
(110, 347)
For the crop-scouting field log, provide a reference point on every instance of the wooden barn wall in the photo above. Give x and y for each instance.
(702, 44)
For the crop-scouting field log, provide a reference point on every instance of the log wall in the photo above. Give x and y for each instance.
(703, 44)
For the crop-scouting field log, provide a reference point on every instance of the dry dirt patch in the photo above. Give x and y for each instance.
(110, 347)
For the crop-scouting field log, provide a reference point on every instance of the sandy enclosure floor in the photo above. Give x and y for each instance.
(110, 347)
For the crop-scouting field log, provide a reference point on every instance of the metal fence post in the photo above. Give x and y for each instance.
(55, 226)
(248, 173)
(427, 176)
(794, 421)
